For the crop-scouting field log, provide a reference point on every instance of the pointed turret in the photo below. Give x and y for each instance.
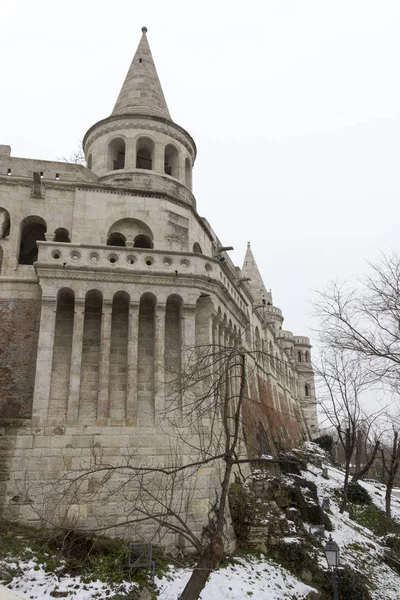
(256, 284)
(141, 92)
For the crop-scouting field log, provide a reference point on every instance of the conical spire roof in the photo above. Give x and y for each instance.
(256, 283)
(142, 92)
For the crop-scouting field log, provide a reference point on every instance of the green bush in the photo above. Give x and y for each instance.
(356, 494)
(370, 516)
(352, 585)
(325, 442)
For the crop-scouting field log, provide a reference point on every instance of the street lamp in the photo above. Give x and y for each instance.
(332, 558)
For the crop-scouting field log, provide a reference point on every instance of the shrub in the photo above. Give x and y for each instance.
(356, 494)
(242, 504)
(325, 442)
(370, 516)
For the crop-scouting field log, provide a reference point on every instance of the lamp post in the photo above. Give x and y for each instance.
(332, 558)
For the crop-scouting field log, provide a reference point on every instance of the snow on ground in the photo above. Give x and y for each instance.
(258, 579)
(36, 584)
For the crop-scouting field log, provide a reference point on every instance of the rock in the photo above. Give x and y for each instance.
(313, 596)
(5, 575)
(145, 594)
(306, 576)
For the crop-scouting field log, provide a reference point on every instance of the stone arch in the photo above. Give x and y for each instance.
(307, 390)
(188, 173)
(116, 239)
(299, 356)
(116, 154)
(61, 365)
(146, 359)
(171, 160)
(132, 230)
(62, 235)
(5, 223)
(197, 248)
(145, 149)
(262, 439)
(173, 342)
(203, 316)
(90, 364)
(32, 229)
(119, 356)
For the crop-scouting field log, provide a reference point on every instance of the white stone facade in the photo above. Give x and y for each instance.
(129, 278)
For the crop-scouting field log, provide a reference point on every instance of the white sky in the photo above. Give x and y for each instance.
(294, 106)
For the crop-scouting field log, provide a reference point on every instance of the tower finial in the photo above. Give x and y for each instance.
(144, 29)
(248, 244)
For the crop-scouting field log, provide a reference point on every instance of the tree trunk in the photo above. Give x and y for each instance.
(345, 487)
(201, 572)
(388, 500)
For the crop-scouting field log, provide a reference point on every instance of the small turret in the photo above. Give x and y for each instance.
(140, 137)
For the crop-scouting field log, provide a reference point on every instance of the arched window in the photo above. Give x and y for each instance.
(144, 153)
(116, 239)
(197, 248)
(33, 229)
(1, 258)
(299, 356)
(188, 173)
(306, 390)
(116, 154)
(307, 357)
(61, 235)
(171, 161)
(262, 440)
(142, 241)
(89, 161)
(4, 223)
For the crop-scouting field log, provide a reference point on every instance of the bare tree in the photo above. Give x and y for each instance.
(77, 157)
(344, 380)
(390, 453)
(203, 410)
(365, 318)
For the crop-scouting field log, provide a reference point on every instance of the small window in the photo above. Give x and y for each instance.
(171, 161)
(116, 239)
(116, 154)
(306, 390)
(188, 173)
(89, 161)
(142, 241)
(307, 357)
(61, 235)
(197, 248)
(144, 153)
(299, 356)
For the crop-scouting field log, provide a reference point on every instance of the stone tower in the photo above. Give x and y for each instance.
(108, 278)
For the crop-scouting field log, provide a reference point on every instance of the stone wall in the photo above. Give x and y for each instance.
(19, 332)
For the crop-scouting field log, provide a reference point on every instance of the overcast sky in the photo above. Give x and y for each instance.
(294, 106)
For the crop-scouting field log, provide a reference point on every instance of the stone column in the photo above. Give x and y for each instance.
(132, 364)
(104, 374)
(76, 361)
(44, 361)
(159, 349)
(158, 159)
(130, 154)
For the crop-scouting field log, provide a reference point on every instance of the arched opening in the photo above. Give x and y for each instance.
(60, 372)
(307, 357)
(116, 154)
(61, 235)
(257, 345)
(262, 439)
(173, 345)
(203, 322)
(33, 229)
(142, 241)
(271, 354)
(1, 258)
(171, 161)
(118, 356)
(146, 360)
(90, 364)
(188, 173)
(4, 223)
(144, 153)
(116, 239)
(306, 390)
(197, 248)
(89, 161)
(299, 356)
